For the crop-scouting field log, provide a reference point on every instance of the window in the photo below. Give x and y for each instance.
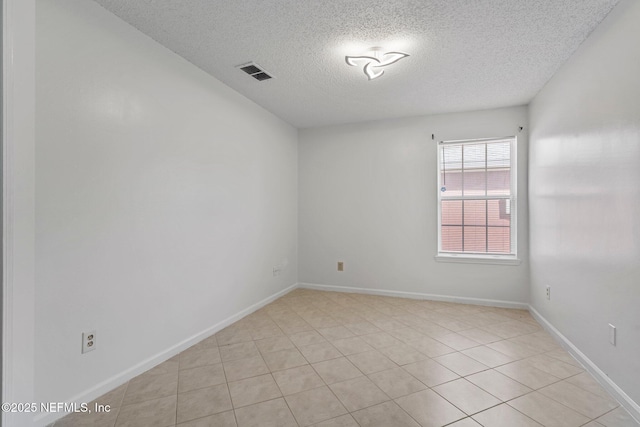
(477, 200)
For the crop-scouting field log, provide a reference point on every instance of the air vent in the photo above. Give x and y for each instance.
(255, 71)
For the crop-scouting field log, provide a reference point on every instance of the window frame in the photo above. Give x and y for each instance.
(477, 257)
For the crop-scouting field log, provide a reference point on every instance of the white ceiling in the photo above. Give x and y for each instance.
(465, 54)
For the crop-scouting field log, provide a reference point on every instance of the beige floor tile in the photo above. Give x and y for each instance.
(430, 347)
(406, 334)
(582, 401)
(402, 354)
(94, 419)
(396, 382)
(480, 336)
(306, 338)
(167, 367)
(430, 372)
(194, 357)
(432, 330)
(298, 379)
(408, 318)
(323, 322)
(362, 328)
(312, 406)
(290, 328)
(358, 393)
(269, 345)
(238, 351)
(539, 341)
(452, 324)
(547, 412)
(157, 412)
(564, 357)
(201, 377)
(245, 368)
(341, 421)
(253, 390)
(384, 415)
(499, 385)
(268, 332)
(230, 336)
(203, 402)
(284, 359)
(504, 416)
(272, 413)
(377, 334)
(388, 324)
(511, 329)
(143, 388)
(513, 349)
(528, 375)
(345, 317)
(336, 370)
(466, 422)
(553, 366)
(224, 419)
(460, 364)
(351, 345)
(320, 352)
(335, 333)
(208, 342)
(586, 382)
(488, 356)
(466, 396)
(380, 339)
(457, 341)
(486, 318)
(430, 409)
(619, 417)
(372, 361)
(112, 398)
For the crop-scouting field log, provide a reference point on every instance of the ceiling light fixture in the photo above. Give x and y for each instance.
(375, 61)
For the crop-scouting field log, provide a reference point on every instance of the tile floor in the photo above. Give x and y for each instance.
(336, 359)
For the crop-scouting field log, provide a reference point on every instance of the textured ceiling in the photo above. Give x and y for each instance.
(465, 54)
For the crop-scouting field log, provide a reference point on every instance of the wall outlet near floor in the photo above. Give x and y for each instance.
(549, 292)
(612, 334)
(340, 266)
(277, 270)
(88, 341)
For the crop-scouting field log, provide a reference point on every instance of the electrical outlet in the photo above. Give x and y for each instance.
(549, 292)
(88, 341)
(340, 266)
(277, 270)
(612, 334)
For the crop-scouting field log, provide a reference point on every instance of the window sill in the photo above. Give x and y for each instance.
(478, 259)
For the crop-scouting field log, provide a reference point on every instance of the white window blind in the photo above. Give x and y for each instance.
(477, 197)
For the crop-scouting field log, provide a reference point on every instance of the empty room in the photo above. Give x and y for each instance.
(343, 213)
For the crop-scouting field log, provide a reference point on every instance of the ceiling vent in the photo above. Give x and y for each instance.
(255, 71)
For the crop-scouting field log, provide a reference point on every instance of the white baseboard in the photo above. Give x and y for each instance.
(121, 378)
(417, 295)
(603, 379)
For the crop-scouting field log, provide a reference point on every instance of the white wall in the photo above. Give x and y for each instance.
(18, 21)
(585, 197)
(367, 196)
(163, 198)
